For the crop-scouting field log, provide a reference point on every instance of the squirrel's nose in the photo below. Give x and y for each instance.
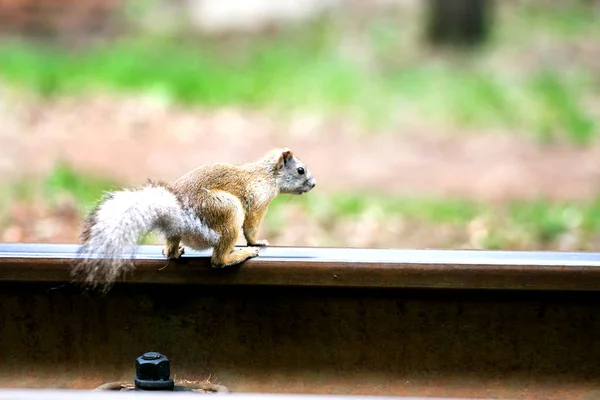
(313, 184)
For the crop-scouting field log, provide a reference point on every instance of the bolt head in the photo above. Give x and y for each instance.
(152, 355)
(152, 366)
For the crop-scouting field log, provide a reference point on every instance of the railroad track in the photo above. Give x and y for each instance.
(334, 267)
(447, 324)
(74, 395)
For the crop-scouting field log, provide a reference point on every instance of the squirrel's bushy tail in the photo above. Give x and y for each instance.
(113, 228)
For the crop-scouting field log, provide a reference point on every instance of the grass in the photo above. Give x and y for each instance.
(306, 69)
(85, 189)
(61, 183)
(560, 20)
(343, 205)
(524, 224)
(188, 73)
(339, 218)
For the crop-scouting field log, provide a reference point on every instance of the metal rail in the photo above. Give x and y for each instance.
(330, 267)
(77, 394)
(302, 320)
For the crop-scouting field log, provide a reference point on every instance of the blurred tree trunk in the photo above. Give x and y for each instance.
(458, 22)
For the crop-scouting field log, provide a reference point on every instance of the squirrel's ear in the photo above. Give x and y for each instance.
(286, 155)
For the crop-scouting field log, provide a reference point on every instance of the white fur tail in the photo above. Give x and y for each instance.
(112, 230)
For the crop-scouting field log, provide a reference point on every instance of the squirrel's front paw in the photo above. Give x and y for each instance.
(259, 243)
(171, 253)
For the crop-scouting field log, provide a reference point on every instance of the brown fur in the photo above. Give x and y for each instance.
(220, 200)
(207, 189)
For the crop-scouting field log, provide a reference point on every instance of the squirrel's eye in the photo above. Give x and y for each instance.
(301, 170)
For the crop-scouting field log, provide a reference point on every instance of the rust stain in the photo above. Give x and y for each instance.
(492, 344)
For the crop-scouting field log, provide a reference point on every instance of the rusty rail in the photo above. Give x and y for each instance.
(76, 395)
(510, 325)
(331, 267)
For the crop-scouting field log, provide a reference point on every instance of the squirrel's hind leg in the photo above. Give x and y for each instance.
(173, 249)
(224, 257)
(227, 219)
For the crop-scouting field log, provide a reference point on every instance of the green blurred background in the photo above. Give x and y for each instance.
(448, 124)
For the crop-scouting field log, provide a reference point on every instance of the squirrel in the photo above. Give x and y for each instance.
(205, 208)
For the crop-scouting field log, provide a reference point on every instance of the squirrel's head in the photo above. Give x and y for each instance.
(292, 175)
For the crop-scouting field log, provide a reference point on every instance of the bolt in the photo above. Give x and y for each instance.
(152, 355)
(152, 372)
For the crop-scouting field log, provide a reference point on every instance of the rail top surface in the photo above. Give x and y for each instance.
(335, 267)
